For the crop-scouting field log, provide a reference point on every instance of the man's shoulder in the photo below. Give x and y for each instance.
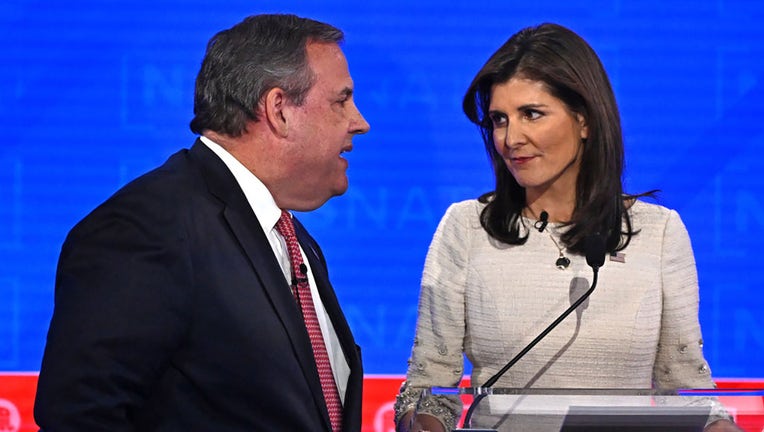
(156, 195)
(175, 171)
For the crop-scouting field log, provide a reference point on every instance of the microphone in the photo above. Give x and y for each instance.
(542, 222)
(594, 248)
(296, 279)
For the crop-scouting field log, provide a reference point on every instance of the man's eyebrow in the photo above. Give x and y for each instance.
(346, 92)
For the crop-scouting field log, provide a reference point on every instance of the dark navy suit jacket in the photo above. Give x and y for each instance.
(172, 314)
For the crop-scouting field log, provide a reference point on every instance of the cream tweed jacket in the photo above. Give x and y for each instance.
(486, 300)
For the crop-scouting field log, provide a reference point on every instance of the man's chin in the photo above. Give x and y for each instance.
(317, 202)
(341, 190)
(340, 187)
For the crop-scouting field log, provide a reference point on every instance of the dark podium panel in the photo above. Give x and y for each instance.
(635, 419)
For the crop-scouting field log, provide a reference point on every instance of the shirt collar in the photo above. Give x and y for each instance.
(258, 196)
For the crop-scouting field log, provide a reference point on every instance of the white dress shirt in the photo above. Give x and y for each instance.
(268, 214)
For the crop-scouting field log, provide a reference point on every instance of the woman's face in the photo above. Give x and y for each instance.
(538, 136)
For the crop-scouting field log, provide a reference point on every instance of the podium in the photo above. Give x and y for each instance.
(599, 410)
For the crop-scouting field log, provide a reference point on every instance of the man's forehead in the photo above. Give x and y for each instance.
(328, 63)
(324, 51)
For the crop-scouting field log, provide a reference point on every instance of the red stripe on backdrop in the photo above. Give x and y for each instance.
(16, 401)
(17, 398)
(379, 393)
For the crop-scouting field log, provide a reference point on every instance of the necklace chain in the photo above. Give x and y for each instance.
(541, 225)
(562, 262)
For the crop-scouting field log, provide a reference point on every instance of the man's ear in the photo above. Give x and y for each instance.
(273, 105)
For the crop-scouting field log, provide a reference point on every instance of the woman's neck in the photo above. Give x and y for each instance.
(559, 210)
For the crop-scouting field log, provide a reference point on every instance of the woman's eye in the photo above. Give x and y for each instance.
(531, 114)
(498, 119)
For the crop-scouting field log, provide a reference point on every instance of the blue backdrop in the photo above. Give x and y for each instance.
(94, 93)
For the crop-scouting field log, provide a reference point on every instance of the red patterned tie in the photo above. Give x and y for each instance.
(299, 275)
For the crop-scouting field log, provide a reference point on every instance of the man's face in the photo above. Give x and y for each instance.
(320, 131)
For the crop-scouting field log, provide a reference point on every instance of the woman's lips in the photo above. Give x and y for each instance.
(520, 160)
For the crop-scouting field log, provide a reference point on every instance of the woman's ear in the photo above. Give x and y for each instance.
(584, 126)
(273, 105)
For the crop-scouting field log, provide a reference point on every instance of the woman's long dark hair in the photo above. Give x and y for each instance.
(573, 73)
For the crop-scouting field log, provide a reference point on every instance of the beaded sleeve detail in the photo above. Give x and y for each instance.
(440, 407)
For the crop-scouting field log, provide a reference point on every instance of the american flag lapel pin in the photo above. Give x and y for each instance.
(618, 257)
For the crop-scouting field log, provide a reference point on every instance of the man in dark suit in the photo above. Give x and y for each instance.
(175, 303)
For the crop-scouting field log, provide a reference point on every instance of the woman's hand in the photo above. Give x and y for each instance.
(422, 423)
(722, 426)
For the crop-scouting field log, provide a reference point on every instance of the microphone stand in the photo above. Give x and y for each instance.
(595, 257)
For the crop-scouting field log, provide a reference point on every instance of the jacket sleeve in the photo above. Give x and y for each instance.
(437, 354)
(679, 361)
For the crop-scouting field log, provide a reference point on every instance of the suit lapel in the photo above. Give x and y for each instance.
(250, 236)
(354, 393)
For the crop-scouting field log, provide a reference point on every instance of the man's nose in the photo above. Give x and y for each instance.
(359, 124)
